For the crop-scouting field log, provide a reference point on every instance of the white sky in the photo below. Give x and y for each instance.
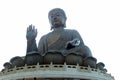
(97, 21)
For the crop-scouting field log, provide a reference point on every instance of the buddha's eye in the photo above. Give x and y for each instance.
(57, 15)
(51, 16)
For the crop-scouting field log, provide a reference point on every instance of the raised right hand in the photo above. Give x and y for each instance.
(31, 32)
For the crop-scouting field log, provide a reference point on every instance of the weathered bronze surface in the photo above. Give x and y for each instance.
(33, 59)
(65, 41)
(58, 46)
(100, 66)
(73, 59)
(17, 61)
(7, 65)
(90, 61)
(54, 57)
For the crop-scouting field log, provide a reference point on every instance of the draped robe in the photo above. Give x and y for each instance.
(56, 41)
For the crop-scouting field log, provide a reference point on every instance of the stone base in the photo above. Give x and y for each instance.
(51, 79)
(54, 72)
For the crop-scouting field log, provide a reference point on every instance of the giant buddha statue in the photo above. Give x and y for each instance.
(60, 45)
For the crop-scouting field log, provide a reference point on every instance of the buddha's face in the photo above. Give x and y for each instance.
(57, 19)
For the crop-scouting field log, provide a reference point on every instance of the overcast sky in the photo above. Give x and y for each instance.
(97, 21)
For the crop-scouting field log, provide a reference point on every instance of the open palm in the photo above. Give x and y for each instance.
(31, 32)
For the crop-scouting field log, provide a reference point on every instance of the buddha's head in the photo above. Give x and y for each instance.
(57, 18)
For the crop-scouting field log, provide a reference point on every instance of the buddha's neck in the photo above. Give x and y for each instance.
(58, 29)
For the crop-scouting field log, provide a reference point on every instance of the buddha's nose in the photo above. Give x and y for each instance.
(54, 18)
